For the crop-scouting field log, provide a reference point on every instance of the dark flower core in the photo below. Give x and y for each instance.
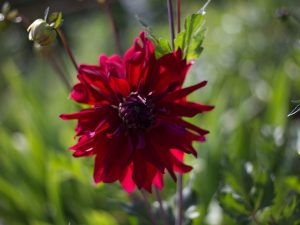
(136, 111)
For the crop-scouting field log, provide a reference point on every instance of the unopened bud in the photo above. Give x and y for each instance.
(283, 14)
(41, 32)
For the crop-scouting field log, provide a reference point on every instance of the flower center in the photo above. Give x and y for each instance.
(136, 111)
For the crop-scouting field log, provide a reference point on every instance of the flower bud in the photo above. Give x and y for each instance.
(41, 32)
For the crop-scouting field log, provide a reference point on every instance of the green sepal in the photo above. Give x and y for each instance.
(190, 40)
(161, 45)
(55, 19)
(5, 8)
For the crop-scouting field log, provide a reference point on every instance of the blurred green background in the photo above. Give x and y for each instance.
(248, 171)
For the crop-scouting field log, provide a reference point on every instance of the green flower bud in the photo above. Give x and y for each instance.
(41, 32)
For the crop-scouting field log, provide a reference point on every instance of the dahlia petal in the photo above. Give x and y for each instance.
(151, 156)
(185, 109)
(185, 124)
(178, 94)
(100, 85)
(159, 181)
(111, 161)
(112, 66)
(136, 60)
(172, 68)
(127, 181)
(150, 175)
(81, 94)
(143, 173)
(92, 120)
(84, 147)
(179, 166)
(139, 174)
(85, 113)
(166, 157)
(120, 86)
(178, 137)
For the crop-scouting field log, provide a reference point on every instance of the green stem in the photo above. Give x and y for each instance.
(161, 206)
(148, 207)
(58, 69)
(179, 200)
(171, 22)
(178, 16)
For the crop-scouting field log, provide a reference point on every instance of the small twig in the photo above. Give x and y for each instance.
(171, 22)
(253, 216)
(148, 207)
(67, 48)
(161, 206)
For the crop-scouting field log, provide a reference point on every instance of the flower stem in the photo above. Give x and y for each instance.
(67, 47)
(114, 26)
(148, 207)
(52, 60)
(178, 16)
(161, 206)
(179, 200)
(171, 22)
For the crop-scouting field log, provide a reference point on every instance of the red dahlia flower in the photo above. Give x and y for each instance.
(134, 124)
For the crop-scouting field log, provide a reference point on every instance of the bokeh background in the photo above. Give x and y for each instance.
(248, 171)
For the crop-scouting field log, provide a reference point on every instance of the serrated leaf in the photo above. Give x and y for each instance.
(161, 45)
(191, 38)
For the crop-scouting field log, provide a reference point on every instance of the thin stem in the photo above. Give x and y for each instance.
(148, 207)
(179, 200)
(253, 215)
(161, 206)
(296, 18)
(202, 10)
(58, 69)
(67, 47)
(178, 16)
(171, 21)
(114, 26)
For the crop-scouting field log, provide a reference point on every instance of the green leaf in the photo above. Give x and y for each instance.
(190, 40)
(161, 45)
(234, 206)
(55, 19)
